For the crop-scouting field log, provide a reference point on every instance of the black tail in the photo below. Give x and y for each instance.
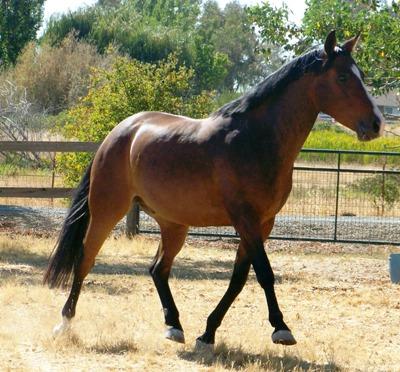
(68, 252)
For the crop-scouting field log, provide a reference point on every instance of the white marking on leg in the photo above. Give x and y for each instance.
(174, 334)
(63, 327)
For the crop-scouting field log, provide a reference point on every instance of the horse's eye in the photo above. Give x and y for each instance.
(342, 78)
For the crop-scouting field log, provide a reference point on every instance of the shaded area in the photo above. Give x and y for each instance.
(118, 347)
(37, 220)
(238, 359)
(20, 263)
(27, 267)
(183, 268)
(23, 256)
(114, 347)
(17, 217)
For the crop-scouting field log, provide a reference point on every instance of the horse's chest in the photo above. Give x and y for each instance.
(273, 194)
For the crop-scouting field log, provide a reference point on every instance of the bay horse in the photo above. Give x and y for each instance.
(233, 168)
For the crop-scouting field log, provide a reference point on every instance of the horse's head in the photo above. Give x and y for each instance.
(341, 93)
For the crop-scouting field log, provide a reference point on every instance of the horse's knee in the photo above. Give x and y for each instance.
(266, 279)
(159, 272)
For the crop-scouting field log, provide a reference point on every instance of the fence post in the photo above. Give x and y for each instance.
(132, 221)
(337, 199)
(53, 173)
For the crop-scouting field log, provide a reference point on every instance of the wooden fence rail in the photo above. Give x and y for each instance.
(132, 224)
(46, 146)
(36, 192)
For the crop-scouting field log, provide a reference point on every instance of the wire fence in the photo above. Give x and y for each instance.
(336, 197)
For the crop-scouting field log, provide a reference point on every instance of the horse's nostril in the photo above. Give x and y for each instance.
(376, 125)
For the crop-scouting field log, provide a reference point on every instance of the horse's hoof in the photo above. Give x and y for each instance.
(204, 347)
(62, 328)
(283, 337)
(174, 334)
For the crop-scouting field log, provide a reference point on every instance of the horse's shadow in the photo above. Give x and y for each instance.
(183, 269)
(238, 359)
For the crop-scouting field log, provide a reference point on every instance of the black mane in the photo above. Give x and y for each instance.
(274, 83)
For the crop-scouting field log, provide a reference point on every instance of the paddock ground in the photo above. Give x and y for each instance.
(337, 299)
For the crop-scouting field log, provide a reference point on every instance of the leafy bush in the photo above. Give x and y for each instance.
(127, 88)
(56, 77)
(383, 190)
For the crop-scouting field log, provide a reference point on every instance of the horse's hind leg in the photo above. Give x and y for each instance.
(105, 213)
(172, 239)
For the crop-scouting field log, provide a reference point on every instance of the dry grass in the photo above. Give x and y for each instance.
(339, 302)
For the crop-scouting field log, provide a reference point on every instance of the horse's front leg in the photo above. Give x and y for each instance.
(265, 276)
(251, 251)
(236, 284)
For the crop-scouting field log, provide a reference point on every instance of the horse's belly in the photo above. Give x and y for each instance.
(184, 207)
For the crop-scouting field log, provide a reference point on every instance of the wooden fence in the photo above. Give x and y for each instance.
(132, 222)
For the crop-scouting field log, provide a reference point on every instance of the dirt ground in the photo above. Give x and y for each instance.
(338, 300)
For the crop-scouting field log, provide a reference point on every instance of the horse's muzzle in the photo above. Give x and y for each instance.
(370, 129)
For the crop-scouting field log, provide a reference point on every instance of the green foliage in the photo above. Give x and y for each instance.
(18, 168)
(127, 88)
(230, 32)
(274, 26)
(19, 22)
(379, 23)
(210, 67)
(79, 22)
(382, 189)
(225, 96)
(180, 14)
(219, 45)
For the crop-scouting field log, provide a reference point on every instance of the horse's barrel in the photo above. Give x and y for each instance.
(394, 267)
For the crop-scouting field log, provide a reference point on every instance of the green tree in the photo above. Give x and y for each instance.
(379, 23)
(211, 19)
(19, 22)
(275, 29)
(210, 66)
(180, 14)
(219, 45)
(79, 22)
(230, 32)
(129, 87)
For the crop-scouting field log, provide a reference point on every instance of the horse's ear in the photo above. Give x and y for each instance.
(349, 45)
(330, 43)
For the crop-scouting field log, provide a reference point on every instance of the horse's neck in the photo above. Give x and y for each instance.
(290, 118)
